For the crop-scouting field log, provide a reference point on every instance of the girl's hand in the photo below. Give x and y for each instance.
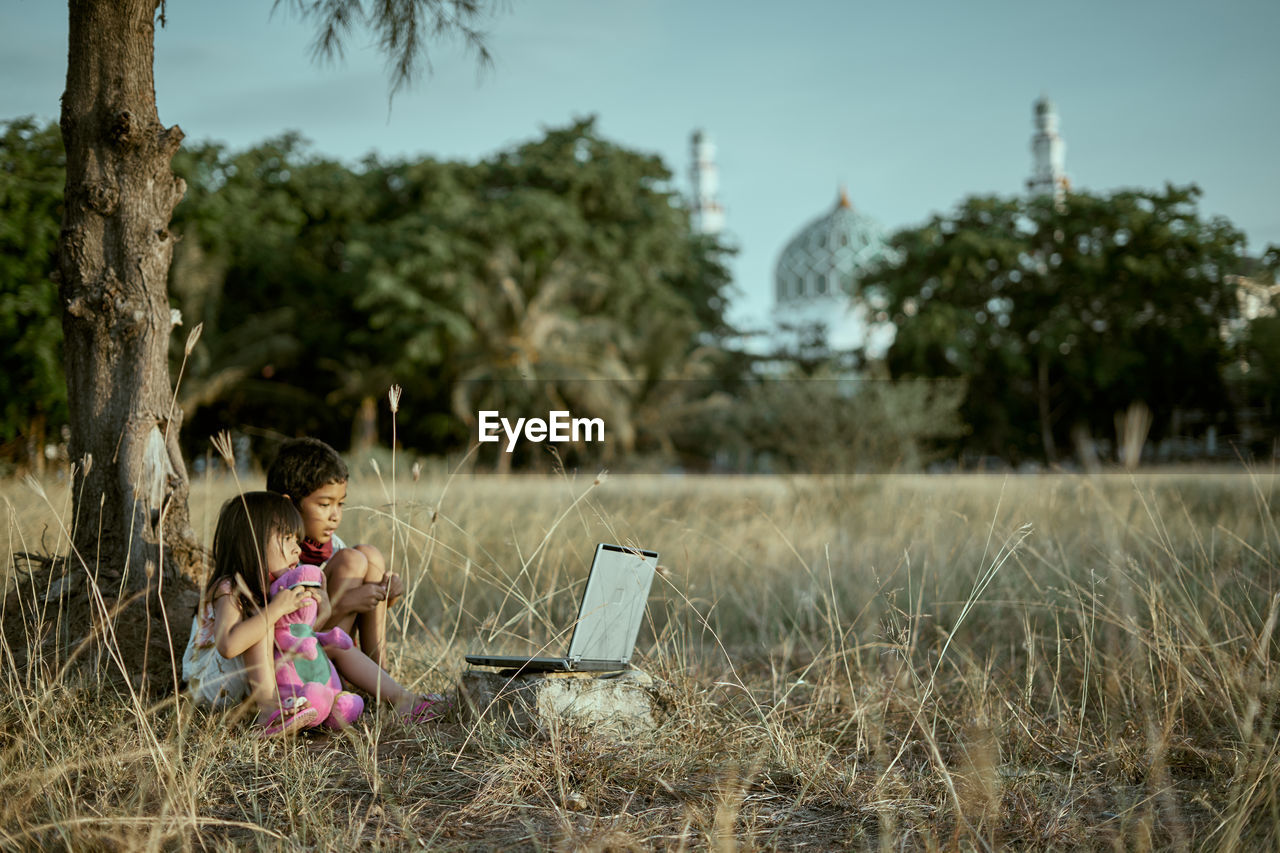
(323, 607)
(289, 600)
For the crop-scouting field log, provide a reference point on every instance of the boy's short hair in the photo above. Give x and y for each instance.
(303, 465)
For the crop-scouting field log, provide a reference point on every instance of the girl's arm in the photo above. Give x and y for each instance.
(233, 635)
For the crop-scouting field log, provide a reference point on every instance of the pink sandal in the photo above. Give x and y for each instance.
(290, 717)
(432, 707)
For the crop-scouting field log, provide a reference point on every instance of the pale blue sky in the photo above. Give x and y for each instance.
(912, 105)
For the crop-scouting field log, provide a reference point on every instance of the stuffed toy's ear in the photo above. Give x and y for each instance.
(298, 576)
(307, 575)
(283, 582)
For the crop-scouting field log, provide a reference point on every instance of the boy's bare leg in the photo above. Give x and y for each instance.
(359, 669)
(373, 625)
(344, 573)
(349, 569)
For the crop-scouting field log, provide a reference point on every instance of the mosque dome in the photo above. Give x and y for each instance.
(816, 279)
(826, 257)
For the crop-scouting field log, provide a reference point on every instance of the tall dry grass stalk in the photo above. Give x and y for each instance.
(894, 662)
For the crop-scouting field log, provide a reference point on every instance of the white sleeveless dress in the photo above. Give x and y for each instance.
(212, 680)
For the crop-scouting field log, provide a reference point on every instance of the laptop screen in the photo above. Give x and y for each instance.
(613, 604)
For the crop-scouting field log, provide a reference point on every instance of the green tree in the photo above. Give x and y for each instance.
(314, 237)
(33, 396)
(1258, 369)
(560, 273)
(1254, 373)
(271, 236)
(1061, 316)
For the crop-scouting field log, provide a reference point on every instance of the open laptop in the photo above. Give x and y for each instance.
(604, 635)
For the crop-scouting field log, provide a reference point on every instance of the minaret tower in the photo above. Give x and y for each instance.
(708, 215)
(1048, 176)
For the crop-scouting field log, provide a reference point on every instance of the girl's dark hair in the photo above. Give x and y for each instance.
(246, 525)
(303, 465)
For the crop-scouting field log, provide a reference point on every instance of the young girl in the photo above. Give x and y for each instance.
(229, 657)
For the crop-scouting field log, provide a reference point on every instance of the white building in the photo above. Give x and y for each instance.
(1048, 151)
(817, 281)
(817, 278)
(708, 215)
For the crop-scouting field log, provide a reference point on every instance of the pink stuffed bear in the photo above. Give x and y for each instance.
(302, 667)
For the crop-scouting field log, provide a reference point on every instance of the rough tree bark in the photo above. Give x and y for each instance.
(131, 487)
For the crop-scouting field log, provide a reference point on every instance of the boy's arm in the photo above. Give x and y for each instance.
(350, 596)
(395, 587)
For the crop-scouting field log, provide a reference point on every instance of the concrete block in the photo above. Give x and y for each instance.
(622, 704)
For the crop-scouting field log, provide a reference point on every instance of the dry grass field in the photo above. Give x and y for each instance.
(898, 662)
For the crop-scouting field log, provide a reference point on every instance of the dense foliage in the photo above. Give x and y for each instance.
(1060, 316)
(33, 392)
(561, 273)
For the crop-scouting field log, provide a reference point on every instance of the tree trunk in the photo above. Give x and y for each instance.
(131, 486)
(37, 427)
(364, 428)
(1046, 411)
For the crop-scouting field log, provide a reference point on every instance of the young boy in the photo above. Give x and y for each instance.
(312, 475)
